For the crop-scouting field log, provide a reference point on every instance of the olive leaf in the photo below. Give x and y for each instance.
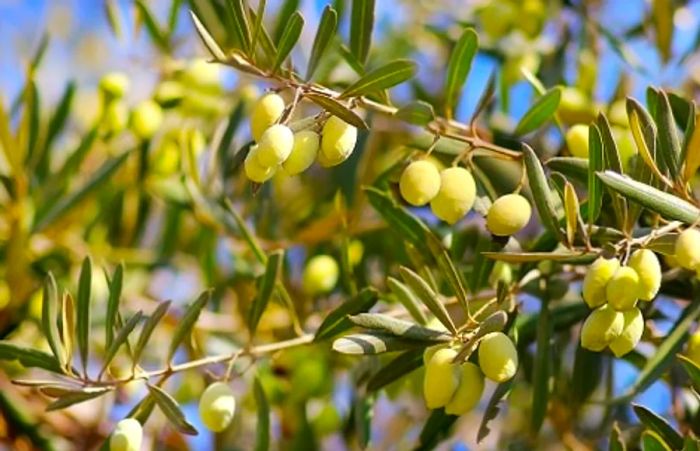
(171, 409)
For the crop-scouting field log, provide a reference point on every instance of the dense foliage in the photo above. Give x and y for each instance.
(311, 236)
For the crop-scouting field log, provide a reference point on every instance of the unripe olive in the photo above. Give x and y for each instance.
(498, 357)
(497, 18)
(692, 350)
(320, 274)
(617, 113)
(419, 182)
(303, 154)
(430, 351)
(146, 119)
(601, 327)
(356, 250)
(456, 195)
(116, 117)
(114, 84)
(626, 146)
(622, 290)
(574, 106)
(337, 142)
(501, 272)
(169, 92)
(275, 145)
(647, 266)
(266, 112)
(469, 390)
(631, 333)
(688, 249)
(217, 406)
(531, 17)
(254, 170)
(514, 65)
(127, 436)
(577, 140)
(508, 214)
(202, 74)
(597, 277)
(441, 378)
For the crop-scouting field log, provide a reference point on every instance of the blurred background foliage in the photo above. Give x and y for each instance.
(83, 180)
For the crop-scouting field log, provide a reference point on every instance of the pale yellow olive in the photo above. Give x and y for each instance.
(441, 378)
(338, 140)
(275, 145)
(596, 279)
(498, 357)
(320, 274)
(217, 406)
(688, 249)
(601, 327)
(114, 84)
(146, 119)
(456, 195)
(622, 291)
(508, 214)
(469, 390)
(646, 264)
(304, 152)
(577, 140)
(631, 333)
(266, 112)
(419, 183)
(127, 436)
(254, 170)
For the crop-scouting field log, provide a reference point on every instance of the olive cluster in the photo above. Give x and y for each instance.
(451, 193)
(277, 146)
(613, 290)
(458, 388)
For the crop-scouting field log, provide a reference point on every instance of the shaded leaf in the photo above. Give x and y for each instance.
(273, 268)
(400, 366)
(651, 441)
(541, 192)
(667, 205)
(542, 367)
(492, 408)
(29, 358)
(669, 145)
(338, 109)
(148, 328)
(458, 67)
(49, 319)
(208, 41)
(83, 311)
(436, 429)
(185, 325)
(361, 24)
(428, 297)
(241, 27)
(324, 36)
(337, 320)
(539, 113)
(417, 113)
(658, 425)
(398, 327)
(384, 77)
(371, 343)
(408, 299)
(289, 39)
(172, 410)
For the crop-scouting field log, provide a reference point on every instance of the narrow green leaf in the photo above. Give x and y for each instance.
(542, 111)
(172, 410)
(400, 366)
(324, 36)
(67, 328)
(662, 13)
(458, 67)
(58, 207)
(651, 441)
(658, 425)
(29, 358)
(541, 369)
(77, 397)
(666, 351)
(692, 369)
(644, 133)
(435, 429)
(156, 34)
(207, 39)
(523, 257)
(121, 338)
(273, 268)
(49, 319)
(83, 311)
(398, 327)
(56, 124)
(262, 431)
(416, 113)
(492, 409)
(595, 164)
(669, 144)
(241, 28)
(541, 192)
(337, 320)
(258, 24)
(283, 14)
(667, 205)
(616, 441)
(384, 77)
(147, 330)
(361, 24)
(338, 109)
(289, 39)
(429, 298)
(115, 294)
(185, 325)
(486, 98)
(371, 343)
(406, 297)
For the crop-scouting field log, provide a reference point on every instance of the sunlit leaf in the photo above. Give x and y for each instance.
(458, 67)
(187, 322)
(171, 409)
(361, 24)
(266, 288)
(324, 36)
(289, 39)
(338, 109)
(337, 320)
(539, 113)
(398, 327)
(387, 76)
